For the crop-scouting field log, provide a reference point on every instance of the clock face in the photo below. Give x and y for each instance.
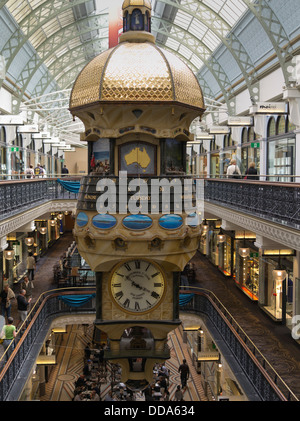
(137, 286)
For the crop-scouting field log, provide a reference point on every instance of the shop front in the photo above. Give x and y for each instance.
(2, 153)
(250, 151)
(247, 265)
(277, 283)
(281, 149)
(227, 254)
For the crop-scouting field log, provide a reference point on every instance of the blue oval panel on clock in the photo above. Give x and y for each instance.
(137, 222)
(82, 219)
(170, 221)
(104, 221)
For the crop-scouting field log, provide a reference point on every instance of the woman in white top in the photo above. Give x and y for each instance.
(233, 170)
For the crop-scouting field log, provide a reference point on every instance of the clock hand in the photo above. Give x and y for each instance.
(138, 286)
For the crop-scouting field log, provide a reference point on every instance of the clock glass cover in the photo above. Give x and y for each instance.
(137, 285)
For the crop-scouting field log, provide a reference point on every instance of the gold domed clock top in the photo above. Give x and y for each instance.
(137, 286)
(137, 3)
(127, 73)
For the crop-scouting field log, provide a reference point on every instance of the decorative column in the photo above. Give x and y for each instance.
(293, 97)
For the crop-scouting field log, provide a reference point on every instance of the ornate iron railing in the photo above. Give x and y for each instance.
(21, 195)
(273, 201)
(265, 380)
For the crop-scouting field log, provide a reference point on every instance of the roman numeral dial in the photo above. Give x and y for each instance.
(137, 286)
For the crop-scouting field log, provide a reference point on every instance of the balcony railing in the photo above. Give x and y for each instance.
(273, 201)
(277, 202)
(266, 381)
(21, 195)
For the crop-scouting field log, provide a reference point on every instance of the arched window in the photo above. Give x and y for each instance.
(2, 151)
(251, 134)
(137, 20)
(281, 125)
(245, 135)
(271, 127)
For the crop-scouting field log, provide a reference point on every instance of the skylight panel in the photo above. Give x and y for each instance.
(214, 4)
(197, 28)
(185, 51)
(211, 40)
(196, 61)
(19, 9)
(172, 44)
(182, 19)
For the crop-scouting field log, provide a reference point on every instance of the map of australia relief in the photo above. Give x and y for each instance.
(137, 158)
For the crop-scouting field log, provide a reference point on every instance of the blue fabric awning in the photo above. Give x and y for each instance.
(185, 299)
(76, 300)
(71, 186)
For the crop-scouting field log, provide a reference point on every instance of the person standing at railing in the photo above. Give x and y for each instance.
(9, 333)
(6, 296)
(29, 172)
(233, 170)
(23, 305)
(64, 171)
(38, 171)
(251, 173)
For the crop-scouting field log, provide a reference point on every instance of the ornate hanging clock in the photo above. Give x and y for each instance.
(137, 286)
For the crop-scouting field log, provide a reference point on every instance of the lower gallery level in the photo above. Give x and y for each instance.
(208, 381)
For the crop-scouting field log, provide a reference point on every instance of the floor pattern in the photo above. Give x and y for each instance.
(70, 361)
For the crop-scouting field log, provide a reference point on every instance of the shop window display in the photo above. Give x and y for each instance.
(279, 296)
(281, 149)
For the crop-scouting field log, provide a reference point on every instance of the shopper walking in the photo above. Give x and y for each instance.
(31, 265)
(184, 373)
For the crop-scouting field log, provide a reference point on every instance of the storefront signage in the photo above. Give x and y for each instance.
(29, 128)
(208, 356)
(255, 145)
(240, 121)
(11, 120)
(52, 140)
(204, 135)
(41, 135)
(219, 130)
(271, 108)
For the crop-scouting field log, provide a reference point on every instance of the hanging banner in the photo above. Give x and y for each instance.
(115, 21)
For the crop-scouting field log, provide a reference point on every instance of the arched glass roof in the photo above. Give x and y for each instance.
(229, 44)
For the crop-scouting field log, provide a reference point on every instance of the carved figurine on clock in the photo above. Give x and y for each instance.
(137, 286)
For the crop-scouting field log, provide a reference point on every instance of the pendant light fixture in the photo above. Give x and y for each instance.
(204, 226)
(43, 229)
(221, 236)
(279, 274)
(9, 253)
(29, 241)
(244, 251)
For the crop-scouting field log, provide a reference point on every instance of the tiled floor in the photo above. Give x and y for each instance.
(70, 360)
